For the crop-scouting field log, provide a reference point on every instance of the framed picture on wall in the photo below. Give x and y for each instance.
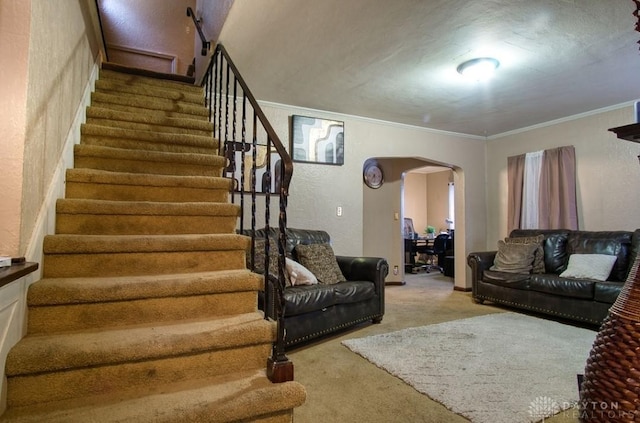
(315, 140)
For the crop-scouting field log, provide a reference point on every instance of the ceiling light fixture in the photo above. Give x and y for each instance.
(478, 69)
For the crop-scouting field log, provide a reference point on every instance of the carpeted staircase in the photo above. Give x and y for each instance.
(146, 311)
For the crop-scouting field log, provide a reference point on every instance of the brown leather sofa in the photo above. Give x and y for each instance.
(312, 311)
(576, 299)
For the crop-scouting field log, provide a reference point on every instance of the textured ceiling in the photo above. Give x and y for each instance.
(396, 60)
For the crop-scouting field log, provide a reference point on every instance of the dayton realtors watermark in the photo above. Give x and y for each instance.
(543, 407)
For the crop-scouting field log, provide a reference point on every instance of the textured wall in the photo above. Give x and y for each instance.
(14, 47)
(150, 26)
(607, 171)
(368, 225)
(426, 199)
(62, 51)
(213, 13)
(415, 199)
(438, 199)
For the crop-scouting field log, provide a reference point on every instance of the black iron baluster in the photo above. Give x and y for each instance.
(220, 76)
(233, 149)
(279, 368)
(278, 353)
(214, 82)
(226, 107)
(243, 156)
(205, 83)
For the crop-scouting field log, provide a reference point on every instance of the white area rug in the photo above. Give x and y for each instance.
(504, 367)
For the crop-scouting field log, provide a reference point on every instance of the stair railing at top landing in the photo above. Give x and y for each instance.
(261, 170)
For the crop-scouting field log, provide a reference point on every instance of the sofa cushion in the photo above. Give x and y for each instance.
(554, 284)
(304, 236)
(506, 279)
(298, 274)
(607, 292)
(555, 247)
(514, 258)
(589, 266)
(555, 253)
(538, 258)
(353, 291)
(305, 298)
(320, 259)
(615, 243)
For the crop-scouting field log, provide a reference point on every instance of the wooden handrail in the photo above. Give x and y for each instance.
(205, 44)
(286, 158)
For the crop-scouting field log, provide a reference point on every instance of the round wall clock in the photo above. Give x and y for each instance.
(373, 176)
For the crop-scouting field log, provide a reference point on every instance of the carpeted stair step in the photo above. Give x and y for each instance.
(169, 92)
(106, 101)
(105, 185)
(149, 162)
(103, 217)
(56, 367)
(147, 140)
(71, 304)
(131, 255)
(134, 77)
(142, 104)
(148, 122)
(146, 311)
(241, 397)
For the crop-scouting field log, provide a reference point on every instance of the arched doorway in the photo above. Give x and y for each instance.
(383, 234)
(428, 207)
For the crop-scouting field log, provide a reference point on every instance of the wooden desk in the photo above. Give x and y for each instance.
(412, 247)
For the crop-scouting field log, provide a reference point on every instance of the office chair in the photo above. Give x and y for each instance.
(436, 251)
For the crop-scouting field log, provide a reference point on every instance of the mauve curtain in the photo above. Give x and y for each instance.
(557, 205)
(515, 175)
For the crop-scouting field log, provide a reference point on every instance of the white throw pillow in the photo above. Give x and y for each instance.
(298, 274)
(589, 266)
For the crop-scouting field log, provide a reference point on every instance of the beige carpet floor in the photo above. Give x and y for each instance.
(344, 387)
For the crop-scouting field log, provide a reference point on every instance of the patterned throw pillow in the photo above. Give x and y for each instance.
(514, 258)
(321, 261)
(260, 244)
(538, 260)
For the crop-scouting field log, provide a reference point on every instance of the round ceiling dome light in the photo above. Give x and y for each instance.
(478, 69)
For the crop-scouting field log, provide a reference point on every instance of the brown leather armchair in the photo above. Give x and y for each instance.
(312, 311)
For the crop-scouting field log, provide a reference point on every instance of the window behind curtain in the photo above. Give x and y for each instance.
(555, 201)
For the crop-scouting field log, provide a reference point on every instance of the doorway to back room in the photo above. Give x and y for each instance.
(428, 208)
